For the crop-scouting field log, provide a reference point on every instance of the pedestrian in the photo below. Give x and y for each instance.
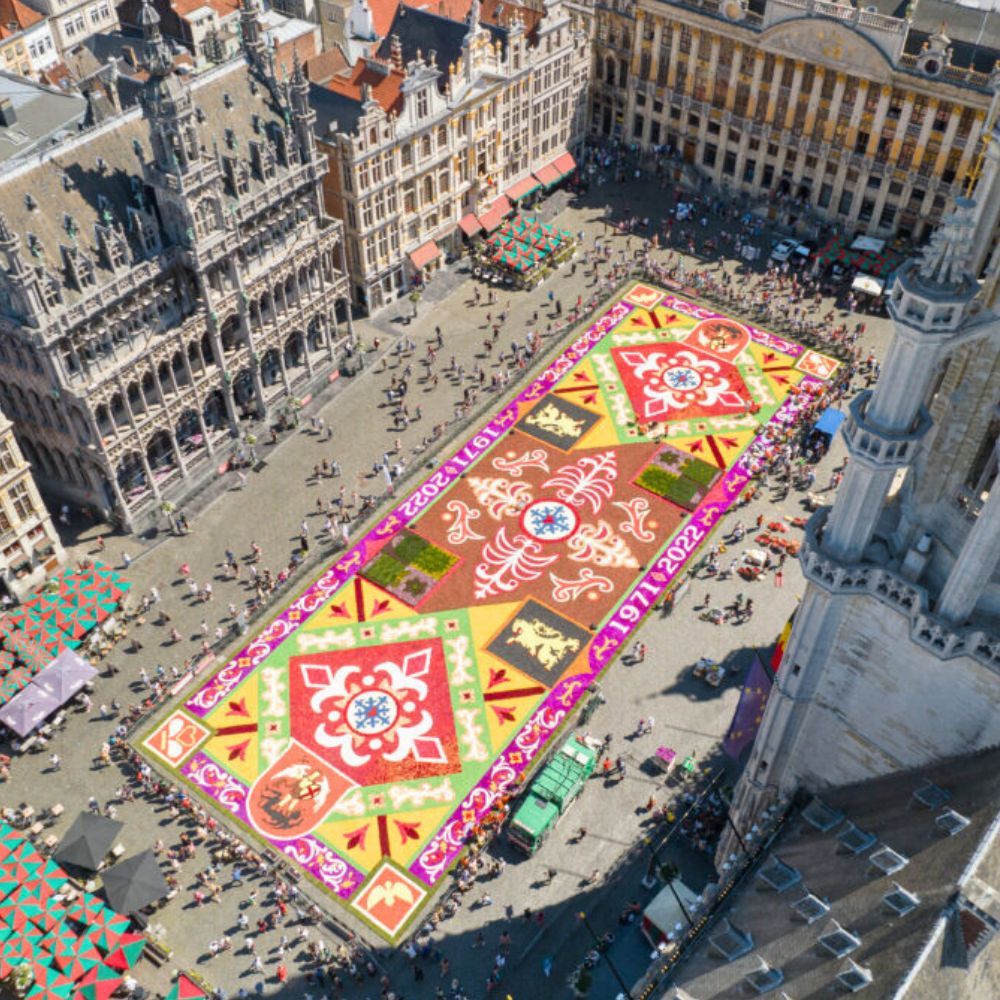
(282, 971)
(445, 966)
(126, 560)
(779, 577)
(639, 652)
(55, 762)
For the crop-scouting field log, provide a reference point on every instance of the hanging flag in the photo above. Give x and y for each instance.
(779, 648)
(750, 710)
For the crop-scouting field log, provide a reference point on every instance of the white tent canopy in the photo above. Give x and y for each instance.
(868, 284)
(868, 244)
(662, 915)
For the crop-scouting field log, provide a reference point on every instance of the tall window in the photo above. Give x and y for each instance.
(21, 499)
(6, 457)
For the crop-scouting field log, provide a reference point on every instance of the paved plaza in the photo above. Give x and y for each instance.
(438, 593)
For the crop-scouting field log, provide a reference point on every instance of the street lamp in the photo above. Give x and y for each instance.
(607, 957)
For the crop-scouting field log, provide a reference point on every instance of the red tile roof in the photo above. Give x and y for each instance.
(383, 11)
(385, 83)
(458, 10)
(324, 65)
(221, 7)
(15, 17)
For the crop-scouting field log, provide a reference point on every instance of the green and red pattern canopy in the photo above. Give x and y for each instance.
(74, 949)
(185, 989)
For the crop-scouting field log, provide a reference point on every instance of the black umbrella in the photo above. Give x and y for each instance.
(88, 840)
(135, 883)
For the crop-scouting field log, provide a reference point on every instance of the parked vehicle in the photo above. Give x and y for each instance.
(551, 794)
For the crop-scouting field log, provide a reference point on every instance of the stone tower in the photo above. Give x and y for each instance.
(894, 657)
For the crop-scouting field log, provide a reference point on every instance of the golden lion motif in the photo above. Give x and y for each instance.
(546, 644)
(550, 418)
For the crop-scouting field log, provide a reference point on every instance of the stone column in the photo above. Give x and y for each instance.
(675, 47)
(149, 474)
(177, 453)
(830, 126)
(930, 113)
(692, 62)
(774, 88)
(654, 63)
(859, 502)
(793, 96)
(204, 432)
(734, 75)
(975, 564)
(987, 195)
(758, 70)
(878, 122)
(947, 141)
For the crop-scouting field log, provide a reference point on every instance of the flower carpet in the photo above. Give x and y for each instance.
(377, 720)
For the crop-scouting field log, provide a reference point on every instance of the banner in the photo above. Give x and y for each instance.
(750, 710)
(779, 647)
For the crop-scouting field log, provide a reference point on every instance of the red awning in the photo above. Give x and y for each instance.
(522, 188)
(565, 164)
(469, 224)
(548, 175)
(424, 254)
(491, 220)
(502, 205)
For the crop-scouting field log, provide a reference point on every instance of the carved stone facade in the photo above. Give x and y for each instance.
(894, 657)
(177, 279)
(30, 550)
(860, 117)
(434, 135)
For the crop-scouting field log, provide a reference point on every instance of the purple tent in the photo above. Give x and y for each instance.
(27, 710)
(64, 676)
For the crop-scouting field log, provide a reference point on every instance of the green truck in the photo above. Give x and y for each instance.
(551, 793)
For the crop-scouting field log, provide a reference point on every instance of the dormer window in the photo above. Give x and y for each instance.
(422, 104)
(227, 100)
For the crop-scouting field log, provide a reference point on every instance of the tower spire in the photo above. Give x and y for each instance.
(946, 260)
(157, 58)
(474, 15)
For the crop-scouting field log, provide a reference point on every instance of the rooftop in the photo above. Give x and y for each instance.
(15, 17)
(880, 869)
(424, 32)
(385, 83)
(98, 175)
(42, 113)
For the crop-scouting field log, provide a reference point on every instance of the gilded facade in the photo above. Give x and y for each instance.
(168, 279)
(871, 118)
(442, 131)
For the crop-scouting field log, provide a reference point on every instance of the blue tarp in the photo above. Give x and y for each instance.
(829, 421)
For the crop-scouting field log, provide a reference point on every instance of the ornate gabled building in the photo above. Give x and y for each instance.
(30, 550)
(438, 124)
(894, 658)
(869, 115)
(165, 277)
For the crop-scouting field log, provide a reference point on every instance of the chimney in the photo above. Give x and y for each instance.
(8, 114)
(396, 53)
